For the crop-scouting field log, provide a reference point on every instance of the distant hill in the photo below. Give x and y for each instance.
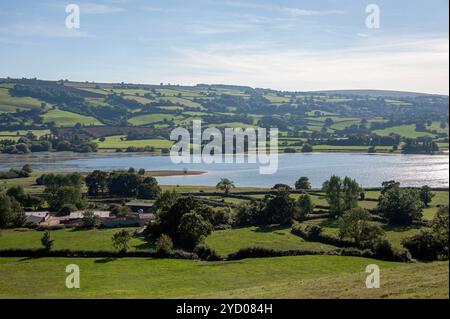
(374, 93)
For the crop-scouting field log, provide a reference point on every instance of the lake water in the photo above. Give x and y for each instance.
(369, 170)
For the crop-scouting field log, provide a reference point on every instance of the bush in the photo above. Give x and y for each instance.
(259, 252)
(205, 253)
(164, 243)
(423, 246)
(314, 233)
(383, 249)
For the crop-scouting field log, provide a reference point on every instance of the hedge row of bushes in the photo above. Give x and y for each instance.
(381, 249)
(260, 252)
(382, 252)
(37, 253)
(314, 233)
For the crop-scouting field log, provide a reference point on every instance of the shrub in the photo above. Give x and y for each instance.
(46, 241)
(423, 246)
(259, 252)
(205, 253)
(164, 243)
(383, 249)
(121, 240)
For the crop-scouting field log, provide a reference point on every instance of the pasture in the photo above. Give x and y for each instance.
(284, 277)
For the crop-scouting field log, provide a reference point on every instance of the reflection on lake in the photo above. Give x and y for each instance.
(368, 170)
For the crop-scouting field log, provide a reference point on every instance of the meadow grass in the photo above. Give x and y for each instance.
(166, 278)
(403, 130)
(119, 141)
(227, 241)
(64, 118)
(96, 239)
(150, 118)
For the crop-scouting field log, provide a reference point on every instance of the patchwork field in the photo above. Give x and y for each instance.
(64, 118)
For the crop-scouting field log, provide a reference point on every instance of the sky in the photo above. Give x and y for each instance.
(292, 45)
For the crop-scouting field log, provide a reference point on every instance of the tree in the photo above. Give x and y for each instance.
(400, 206)
(225, 185)
(305, 205)
(165, 200)
(121, 240)
(65, 195)
(149, 189)
(193, 228)
(426, 195)
(333, 194)
(96, 182)
(89, 220)
(280, 209)
(355, 224)
(351, 191)
(124, 183)
(9, 207)
(47, 241)
(120, 210)
(303, 183)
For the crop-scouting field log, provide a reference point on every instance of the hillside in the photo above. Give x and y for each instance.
(139, 114)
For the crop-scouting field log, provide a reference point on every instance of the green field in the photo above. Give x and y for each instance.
(149, 118)
(9, 104)
(285, 277)
(64, 118)
(119, 141)
(403, 130)
(99, 239)
(231, 240)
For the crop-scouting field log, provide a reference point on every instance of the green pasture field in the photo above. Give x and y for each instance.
(284, 277)
(150, 118)
(403, 130)
(114, 142)
(228, 241)
(97, 239)
(9, 104)
(64, 118)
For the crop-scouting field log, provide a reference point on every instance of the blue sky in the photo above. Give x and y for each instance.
(286, 45)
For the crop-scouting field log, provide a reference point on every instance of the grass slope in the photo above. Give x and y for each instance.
(64, 118)
(99, 239)
(231, 240)
(250, 278)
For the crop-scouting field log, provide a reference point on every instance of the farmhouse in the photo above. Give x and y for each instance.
(36, 217)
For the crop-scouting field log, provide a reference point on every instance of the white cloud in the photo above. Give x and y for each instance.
(42, 29)
(95, 8)
(412, 65)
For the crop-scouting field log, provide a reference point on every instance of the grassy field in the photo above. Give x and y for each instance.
(119, 141)
(149, 118)
(99, 239)
(64, 118)
(9, 104)
(403, 130)
(285, 277)
(231, 240)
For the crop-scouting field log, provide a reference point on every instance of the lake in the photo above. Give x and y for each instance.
(370, 170)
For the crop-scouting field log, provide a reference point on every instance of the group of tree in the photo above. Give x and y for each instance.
(23, 172)
(129, 183)
(341, 195)
(185, 220)
(62, 190)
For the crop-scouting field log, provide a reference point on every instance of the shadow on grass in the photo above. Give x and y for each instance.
(144, 246)
(401, 229)
(105, 260)
(270, 229)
